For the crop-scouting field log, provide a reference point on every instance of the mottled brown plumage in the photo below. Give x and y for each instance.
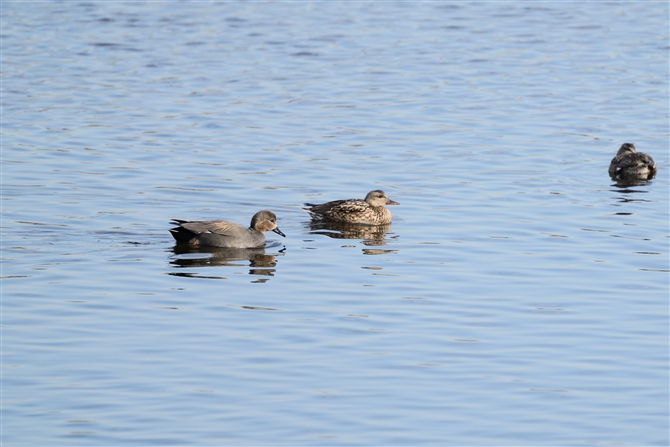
(629, 163)
(370, 211)
(221, 233)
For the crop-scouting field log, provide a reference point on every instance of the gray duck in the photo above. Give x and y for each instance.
(221, 233)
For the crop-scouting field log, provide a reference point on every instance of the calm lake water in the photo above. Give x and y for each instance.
(520, 296)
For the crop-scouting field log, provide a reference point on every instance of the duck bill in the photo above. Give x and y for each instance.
(391, 202)
(278, 231)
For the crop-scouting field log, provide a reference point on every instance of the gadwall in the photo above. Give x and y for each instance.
(221, 233)
(631, 163)
(370, 211)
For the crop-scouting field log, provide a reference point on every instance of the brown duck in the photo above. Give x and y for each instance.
(629, 163)
(370, 211)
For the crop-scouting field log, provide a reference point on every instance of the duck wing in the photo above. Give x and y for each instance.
(349, 206)
(221, 227)
(614, 165)
(322, 208)
(338, 206)
(647, 161)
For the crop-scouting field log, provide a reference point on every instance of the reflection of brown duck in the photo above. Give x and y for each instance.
(373, 234)
(629, 163)
(370, 211)
(221, 233)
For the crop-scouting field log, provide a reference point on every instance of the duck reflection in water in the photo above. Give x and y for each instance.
(373, 236)
(260, 262)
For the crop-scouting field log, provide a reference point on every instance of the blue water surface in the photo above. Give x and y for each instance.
(520, 296)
